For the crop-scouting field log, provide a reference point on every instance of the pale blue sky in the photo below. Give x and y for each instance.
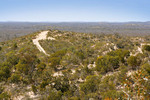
(75, 10)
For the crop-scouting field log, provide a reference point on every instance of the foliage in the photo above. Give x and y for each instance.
(12, 58)
(138, 85)
(147, 47)
(4, 73)
(34, 89)
(90, 85)
(43, 84)
(14, 46)
(62, 84)
(41, 66)
(121, 53)
(107, 63)
(132, 61)
(15, 78)
(80, 67)
(55, 95)
(4, 95)
(55, 59)
(146, 68)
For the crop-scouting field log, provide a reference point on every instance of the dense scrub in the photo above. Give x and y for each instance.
(80, 67)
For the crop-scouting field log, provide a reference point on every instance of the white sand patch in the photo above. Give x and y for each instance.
(80, 80)
(58, 35)
(32, 95)
(93, 46)
(73, 71)
(51, 38)
(139, 49)
(19, 97)
(90, 66)
(115, 47)
(129, 73)
(58, 74)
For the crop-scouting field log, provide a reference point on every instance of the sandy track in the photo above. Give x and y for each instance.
(41, 36)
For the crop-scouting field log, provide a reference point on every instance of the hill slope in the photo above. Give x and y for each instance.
(66, 65)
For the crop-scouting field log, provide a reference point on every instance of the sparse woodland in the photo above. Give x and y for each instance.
(81, 66)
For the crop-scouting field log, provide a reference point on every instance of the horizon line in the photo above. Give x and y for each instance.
(74, 21)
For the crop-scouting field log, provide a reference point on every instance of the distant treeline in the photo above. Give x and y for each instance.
(10, 30)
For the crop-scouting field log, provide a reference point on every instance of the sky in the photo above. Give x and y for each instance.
(75, 10)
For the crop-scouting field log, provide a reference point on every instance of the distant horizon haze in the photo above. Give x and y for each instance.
(74, 21)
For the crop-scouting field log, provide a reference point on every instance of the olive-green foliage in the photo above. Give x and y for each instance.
(121, 76)
(15, 78)
(147, 47)
(107, 63)
(71, 90)
(111, 61)
(122, 54)
(27, 61)
(55, 58)
(4, 95)
(4, 73)
(34, 89)
(41, 66)
(53, 95)
(43, 84)
(54, 62)
(108, 89)
(75, 55)
(80, 54)
(22, 68)
(132, 61)
(91, 84)
(62, 84)
(12, 58)
(146, 67)
(74, 98)
(123, 43)
(14, 46)
(113, 94)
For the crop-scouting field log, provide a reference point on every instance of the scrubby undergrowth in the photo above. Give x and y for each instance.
(80, 67)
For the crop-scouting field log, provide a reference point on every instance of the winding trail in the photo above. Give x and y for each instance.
(41, 36)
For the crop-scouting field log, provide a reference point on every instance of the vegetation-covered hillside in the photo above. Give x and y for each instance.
(78, 66)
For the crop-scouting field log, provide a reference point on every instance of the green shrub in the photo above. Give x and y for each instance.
(146, 67)
(132, 61)
(43, 84)
(55, 95)
(146, 47)
(4, 73)
(90, 85)
(34, 89)
(14, 46)
(15, 78)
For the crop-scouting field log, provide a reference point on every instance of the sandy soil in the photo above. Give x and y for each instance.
(139, 49)
(58, 74)
(41, 36)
